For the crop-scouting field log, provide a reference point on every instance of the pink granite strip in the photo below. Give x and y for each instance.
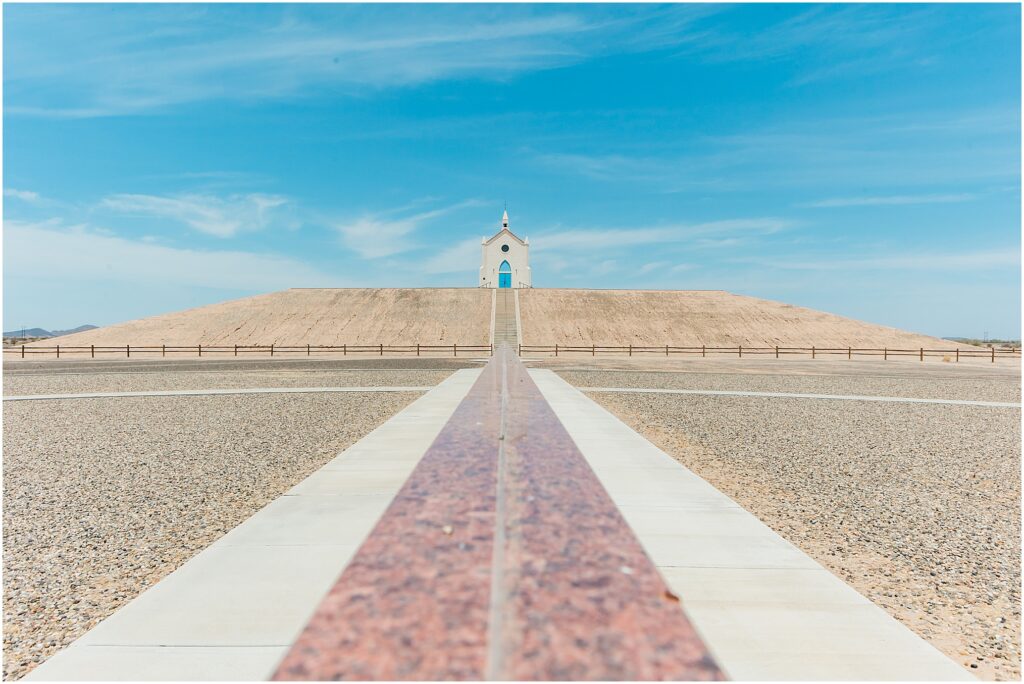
(502, 557)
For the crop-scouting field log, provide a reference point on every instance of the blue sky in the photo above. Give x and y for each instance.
(859, 159)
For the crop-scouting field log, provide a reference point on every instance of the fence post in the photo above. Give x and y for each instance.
(163, 350)
(993, 354)
(703, 351)
(630, 350)
(236, 350)
(382, 349)
(849, 353)
(128, 351)
(556, 349)
(58, 351)
(813, 352)
(776, 351)
(92, 351)
(417, 349)
(593, 350)
(922, 353)
(455, 350)
(958, 354)
(22, 351)
(344, 349)
(885, 353)
(740, 350)
(200, 348)
(271, 348)
(307, 350)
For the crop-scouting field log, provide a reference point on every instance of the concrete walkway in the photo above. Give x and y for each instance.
(798, 395)
(199, 392)
(766, 610)
(232, 611)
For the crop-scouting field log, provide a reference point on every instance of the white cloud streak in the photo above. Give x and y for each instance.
(77, 253)
(222, 217)
(373, 236)
(583, 239)
(935, 261)
(889, 200)
(23, 195)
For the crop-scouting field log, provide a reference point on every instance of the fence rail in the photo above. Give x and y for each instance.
(419, 349)
(234, 350)
(778, 352)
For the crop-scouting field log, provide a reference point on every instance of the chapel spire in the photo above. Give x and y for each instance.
(504, 219)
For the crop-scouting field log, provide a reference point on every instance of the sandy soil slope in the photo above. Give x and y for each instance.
(314, 316)
(694, 317)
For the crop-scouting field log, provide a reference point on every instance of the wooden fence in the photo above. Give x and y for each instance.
(593, 350)
(234, 350)
(776, 352)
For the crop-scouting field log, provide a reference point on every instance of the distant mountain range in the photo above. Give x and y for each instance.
(39, 332)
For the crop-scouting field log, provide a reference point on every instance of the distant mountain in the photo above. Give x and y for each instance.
(39, 332)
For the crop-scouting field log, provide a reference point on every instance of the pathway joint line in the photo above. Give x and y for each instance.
(799, 395)
(495, 666)
(215, 392)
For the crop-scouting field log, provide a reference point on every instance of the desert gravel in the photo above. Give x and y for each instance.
(68, 383)
(104, 497)
(915, 506)
(923, 387)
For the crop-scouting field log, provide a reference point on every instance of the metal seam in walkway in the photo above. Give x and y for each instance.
(798, 395)
(194, 393)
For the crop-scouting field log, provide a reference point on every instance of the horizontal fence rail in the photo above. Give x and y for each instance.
(776, 352)
(128, 350)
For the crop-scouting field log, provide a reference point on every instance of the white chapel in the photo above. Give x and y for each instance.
(505, 259)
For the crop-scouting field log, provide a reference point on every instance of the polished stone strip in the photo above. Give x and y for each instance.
(413, 602)
(200, 393)
(579, 598)
(797, 395)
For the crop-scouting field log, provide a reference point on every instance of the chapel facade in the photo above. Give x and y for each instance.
(505, 259)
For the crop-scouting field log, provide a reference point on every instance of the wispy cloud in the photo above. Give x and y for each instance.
(219, 216)
(611, 238)
(159, 56)
(889, 200)
(653, 266)
(82, 254)
(24, 195)
(826, 42)
(931, 261)
(373, 236)
(458, 258)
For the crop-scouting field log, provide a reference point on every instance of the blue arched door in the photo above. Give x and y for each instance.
(504, 275)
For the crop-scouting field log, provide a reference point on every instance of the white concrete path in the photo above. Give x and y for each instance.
(798, 395)
(766, 610)
(232, 611)
(199, 393)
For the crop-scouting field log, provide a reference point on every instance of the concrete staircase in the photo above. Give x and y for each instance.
(505, 328)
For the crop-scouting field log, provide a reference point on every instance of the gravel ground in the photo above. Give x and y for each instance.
(915, 506)
(104, 497)
(969, 388)
(69, 383)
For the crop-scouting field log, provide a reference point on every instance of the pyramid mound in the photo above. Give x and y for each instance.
(443, 316)
(313, 316)
(693, 318)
